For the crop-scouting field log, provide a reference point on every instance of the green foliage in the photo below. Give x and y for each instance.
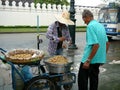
(22, 26)
(29, 29)
(61, 2)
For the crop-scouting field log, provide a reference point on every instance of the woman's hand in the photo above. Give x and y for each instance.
(61, 38)
(64, 46)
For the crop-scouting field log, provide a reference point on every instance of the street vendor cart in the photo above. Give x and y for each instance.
(57, 74)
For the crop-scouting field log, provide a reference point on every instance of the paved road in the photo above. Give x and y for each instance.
(110, 73)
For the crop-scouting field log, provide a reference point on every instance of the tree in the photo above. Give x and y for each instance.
(62, 2)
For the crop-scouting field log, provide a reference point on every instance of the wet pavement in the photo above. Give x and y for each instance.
(109, 73)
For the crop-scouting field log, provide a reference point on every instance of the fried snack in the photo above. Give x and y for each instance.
(21, 56)
(58, 60)
(24, 56)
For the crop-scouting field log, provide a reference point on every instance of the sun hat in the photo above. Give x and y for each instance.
(64, 18)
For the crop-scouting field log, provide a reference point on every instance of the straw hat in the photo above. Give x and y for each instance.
(64, 18)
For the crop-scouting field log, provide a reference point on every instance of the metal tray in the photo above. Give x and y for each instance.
(58, 68)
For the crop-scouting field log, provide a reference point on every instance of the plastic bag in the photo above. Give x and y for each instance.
(27, 73)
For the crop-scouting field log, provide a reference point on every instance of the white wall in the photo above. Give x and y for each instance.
(27, 16)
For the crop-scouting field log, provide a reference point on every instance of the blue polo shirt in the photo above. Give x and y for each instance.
(95, 34)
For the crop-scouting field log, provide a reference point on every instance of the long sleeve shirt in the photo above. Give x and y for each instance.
(52, 35)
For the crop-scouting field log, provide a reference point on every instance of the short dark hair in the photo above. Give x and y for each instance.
(87, 13)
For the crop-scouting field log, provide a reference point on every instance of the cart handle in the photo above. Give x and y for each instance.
(3, 60)
(39, 41)
(1, 49)
(2, 57)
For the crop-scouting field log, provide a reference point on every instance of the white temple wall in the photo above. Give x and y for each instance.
(27, 16)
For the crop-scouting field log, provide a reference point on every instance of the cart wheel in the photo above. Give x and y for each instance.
(67, 87)
(39, 83)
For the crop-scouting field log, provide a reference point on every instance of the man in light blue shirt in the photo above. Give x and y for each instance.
(94, 53)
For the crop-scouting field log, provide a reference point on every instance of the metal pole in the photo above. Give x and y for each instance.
(72, 27)
(38, 32)
(37, 23)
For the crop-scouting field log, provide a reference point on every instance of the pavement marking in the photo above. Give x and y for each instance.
(115, 62)
(102, 69)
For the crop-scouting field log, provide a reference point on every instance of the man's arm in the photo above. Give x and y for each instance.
(107, 46)
(92, 54)
(94, 50)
